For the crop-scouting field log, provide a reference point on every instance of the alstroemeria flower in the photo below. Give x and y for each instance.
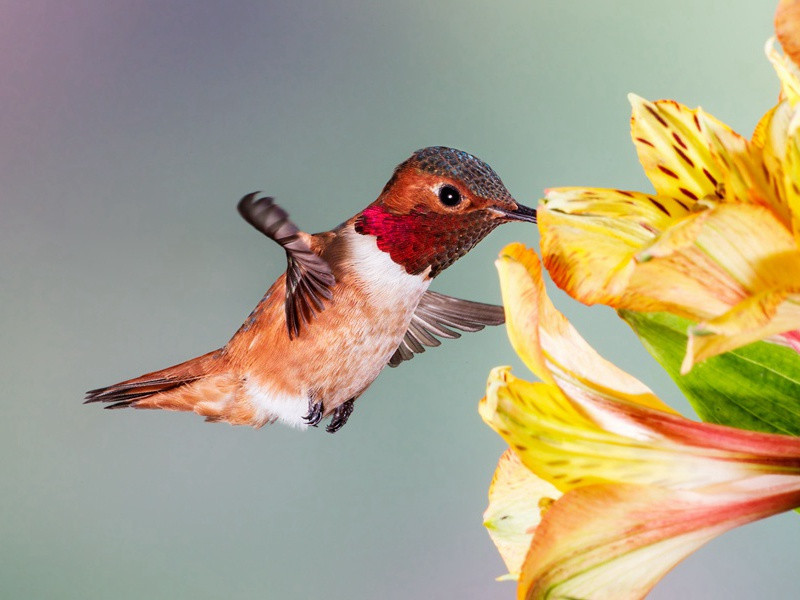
(719, 241)
(605, 488)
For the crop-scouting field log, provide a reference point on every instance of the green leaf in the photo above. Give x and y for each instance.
(753, 387)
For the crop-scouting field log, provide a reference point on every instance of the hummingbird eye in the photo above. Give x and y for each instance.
(449, 196)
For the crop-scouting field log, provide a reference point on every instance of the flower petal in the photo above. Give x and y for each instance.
(744, 178)
(549, 344)
(673, 147)
(591, 242)
(616, 541)
(749, 244)
(745, 241)
(788, 72)
(578, 441)
(790, 339)
(779, 135)
(725, 266)
(517, 500)
(756, 318)
(688, 155)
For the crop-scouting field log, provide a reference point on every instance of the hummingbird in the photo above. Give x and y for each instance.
(352, 301)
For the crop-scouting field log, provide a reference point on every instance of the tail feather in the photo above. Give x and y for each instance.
(158, 386)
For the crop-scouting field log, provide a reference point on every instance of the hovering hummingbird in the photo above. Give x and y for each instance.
(352, 300)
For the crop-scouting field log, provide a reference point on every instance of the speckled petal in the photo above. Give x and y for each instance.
(594, 245)
(673, 147)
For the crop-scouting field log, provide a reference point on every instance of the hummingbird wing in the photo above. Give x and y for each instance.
(436, 316)
(309, 278)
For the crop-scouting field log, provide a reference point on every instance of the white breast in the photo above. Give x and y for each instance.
(379, 274)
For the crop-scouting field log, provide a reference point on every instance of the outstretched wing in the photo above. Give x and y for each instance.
(436, 316)
(309, 278)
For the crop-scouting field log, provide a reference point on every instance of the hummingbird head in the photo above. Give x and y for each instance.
(437, 205)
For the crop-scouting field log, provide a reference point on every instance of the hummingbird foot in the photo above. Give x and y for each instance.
(340, 416)
(315, 411)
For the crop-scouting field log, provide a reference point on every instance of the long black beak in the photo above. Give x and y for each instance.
(521, 213)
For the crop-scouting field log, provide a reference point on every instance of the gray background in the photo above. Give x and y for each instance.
(130, 129)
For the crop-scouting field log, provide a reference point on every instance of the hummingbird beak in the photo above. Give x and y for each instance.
(521, 213)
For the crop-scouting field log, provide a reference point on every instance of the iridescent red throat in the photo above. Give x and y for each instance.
(422, 239)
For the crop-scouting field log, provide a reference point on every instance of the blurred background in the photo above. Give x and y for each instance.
(129, 131)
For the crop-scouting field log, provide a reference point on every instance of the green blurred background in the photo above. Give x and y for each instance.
(130, 129)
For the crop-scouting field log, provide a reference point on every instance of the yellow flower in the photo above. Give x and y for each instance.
(719, 241)
(604, 488)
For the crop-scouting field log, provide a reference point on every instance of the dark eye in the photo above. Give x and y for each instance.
(449, 196)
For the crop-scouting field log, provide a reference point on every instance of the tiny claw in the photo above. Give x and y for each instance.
(340, 416)
(315, 412)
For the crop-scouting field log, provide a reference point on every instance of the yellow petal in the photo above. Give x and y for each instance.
(679, 237)
(760, 133)
(747, 242)
(549, 344)
(779, 134)
(702, 266)
(673, 147)
(747, 259)
(590, 237)
(613, 542)
(756, 318)
(517, 500)
(591, 240)
(791, 179)
(574, 442)
(743, 178)
(688, 154)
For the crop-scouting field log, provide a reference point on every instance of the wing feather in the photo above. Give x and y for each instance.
(436, 316)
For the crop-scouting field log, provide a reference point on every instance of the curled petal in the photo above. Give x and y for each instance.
(788, 71)
(616, 541)
(517, 500)
(549, 344)
(779, 135)
(758, 317)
